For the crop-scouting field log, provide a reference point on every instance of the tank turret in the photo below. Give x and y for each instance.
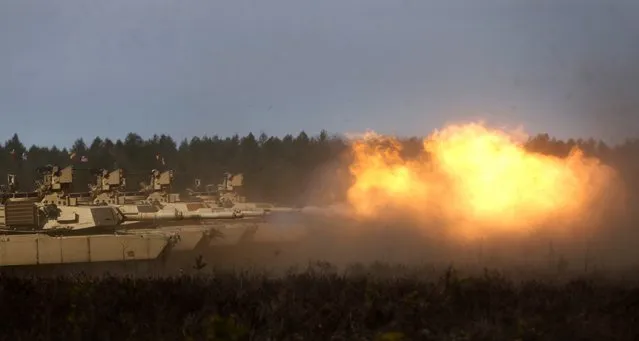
(223, 196)
(228, 194)
(160, 194)
(52, 208)
(163, 210)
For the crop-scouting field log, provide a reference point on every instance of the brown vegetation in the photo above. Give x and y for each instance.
(378, 302)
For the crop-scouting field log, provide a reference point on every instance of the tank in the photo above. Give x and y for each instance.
(48, 227)
(157, 210)
(159, 194)
(281, 224)
(227, 195)
(53, 225)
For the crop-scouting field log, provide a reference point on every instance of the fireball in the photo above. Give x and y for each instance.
(475, 180)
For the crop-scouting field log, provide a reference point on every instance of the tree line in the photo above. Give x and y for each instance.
(285, 170)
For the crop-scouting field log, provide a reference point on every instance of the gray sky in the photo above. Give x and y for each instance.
(80, 68)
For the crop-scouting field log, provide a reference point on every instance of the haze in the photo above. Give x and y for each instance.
(71, 68)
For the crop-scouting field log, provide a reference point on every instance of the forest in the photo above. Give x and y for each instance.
(288, 170)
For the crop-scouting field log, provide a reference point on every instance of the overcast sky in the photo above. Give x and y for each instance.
(80, 68)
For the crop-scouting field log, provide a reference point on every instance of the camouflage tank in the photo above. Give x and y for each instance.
(52, 225)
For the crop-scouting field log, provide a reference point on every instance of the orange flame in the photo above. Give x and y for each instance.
(476, 179)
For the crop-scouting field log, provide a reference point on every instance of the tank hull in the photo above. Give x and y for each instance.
(130, 245)
(40, 249)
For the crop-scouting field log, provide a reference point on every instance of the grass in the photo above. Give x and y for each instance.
(377, 302)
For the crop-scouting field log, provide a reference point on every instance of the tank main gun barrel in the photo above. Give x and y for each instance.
(258, 212)
(213, 215)
(153, 216)
(285, 210)
(166, 215)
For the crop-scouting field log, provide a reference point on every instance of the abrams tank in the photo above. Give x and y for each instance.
(160, 193)
(281, 224)
(52, 225)
(155, 207)
(229, 195)
(48, 226)
(226, 195)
